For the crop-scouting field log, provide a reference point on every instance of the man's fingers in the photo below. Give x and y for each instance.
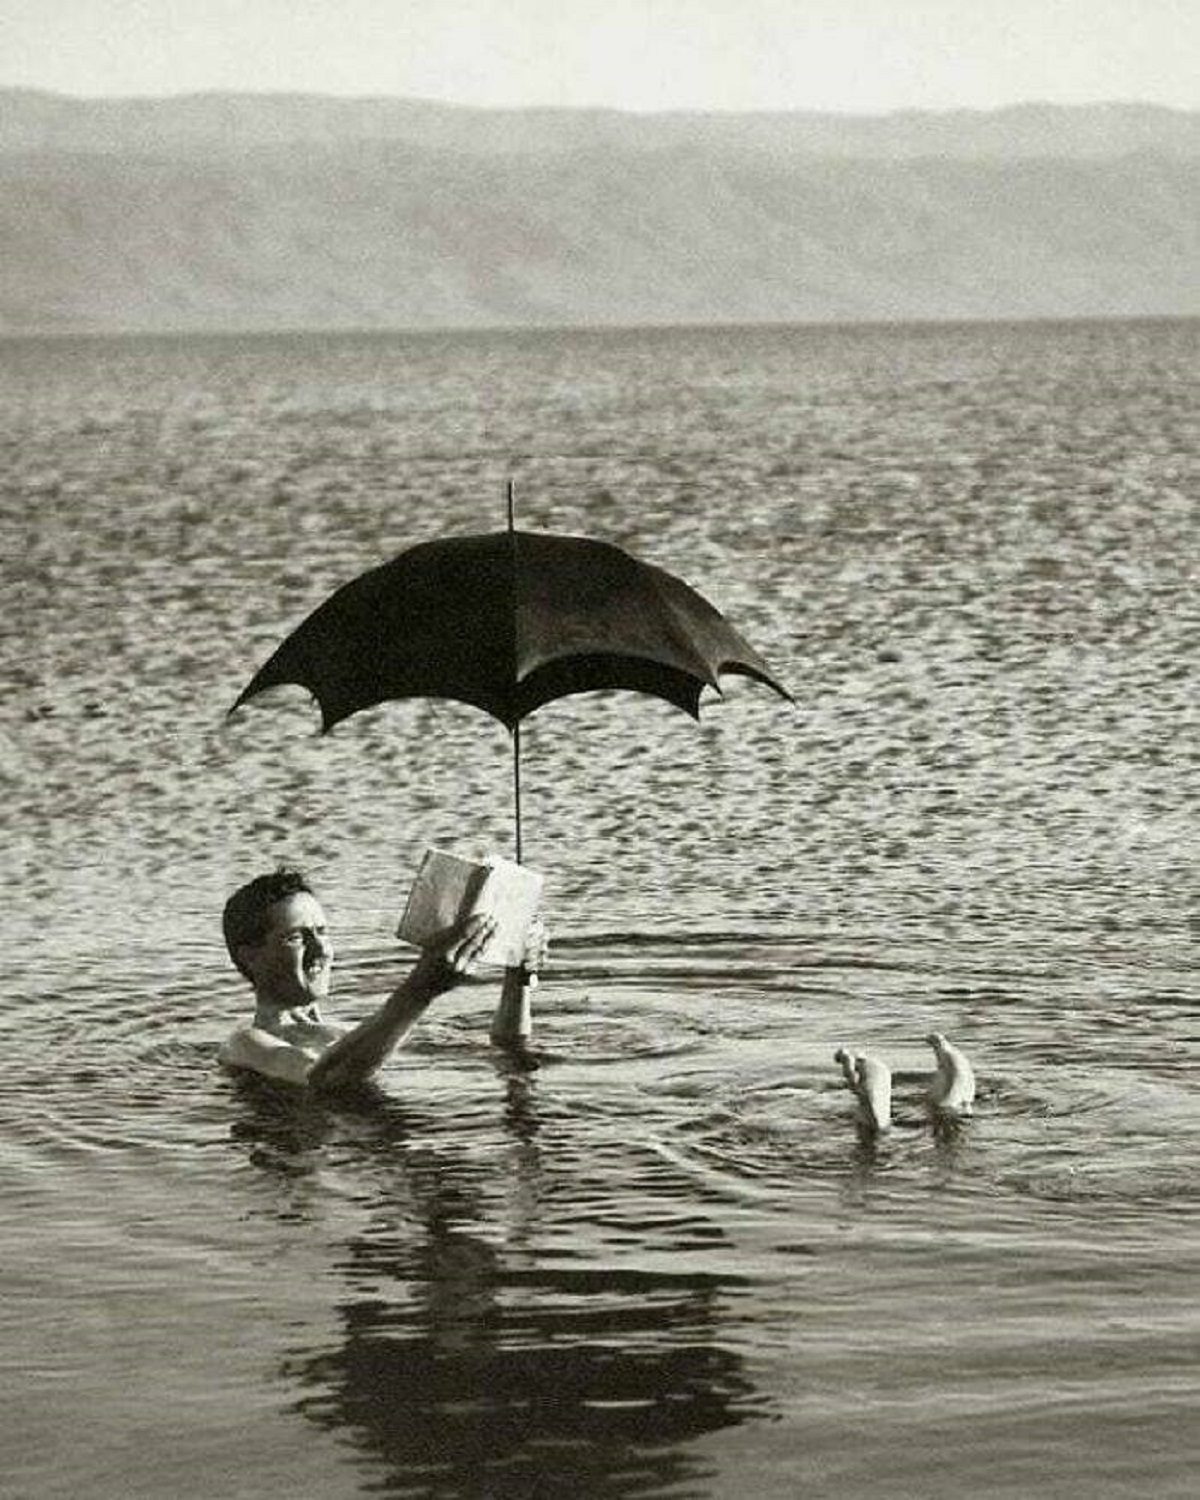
(465, 950)
(537, 944)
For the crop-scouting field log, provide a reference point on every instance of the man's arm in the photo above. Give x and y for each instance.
(512, 1024)
(360, 1052)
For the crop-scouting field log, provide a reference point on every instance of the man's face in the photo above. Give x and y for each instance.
(293, 963)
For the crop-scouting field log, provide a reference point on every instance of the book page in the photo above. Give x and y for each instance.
(448, 889)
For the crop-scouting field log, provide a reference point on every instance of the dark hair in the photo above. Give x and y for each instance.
(244, 919)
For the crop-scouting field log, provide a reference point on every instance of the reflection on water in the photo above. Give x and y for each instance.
(471, 1367)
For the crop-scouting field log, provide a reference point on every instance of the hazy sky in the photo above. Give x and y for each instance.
(861, 55)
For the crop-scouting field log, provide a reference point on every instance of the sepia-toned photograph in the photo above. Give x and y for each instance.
(599, 749)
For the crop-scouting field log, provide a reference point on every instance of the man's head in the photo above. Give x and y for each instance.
(275, 932)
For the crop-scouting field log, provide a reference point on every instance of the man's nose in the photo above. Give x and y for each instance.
(318, 943)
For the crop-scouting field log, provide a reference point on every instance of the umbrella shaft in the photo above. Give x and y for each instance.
(517, 784)
(510, 495)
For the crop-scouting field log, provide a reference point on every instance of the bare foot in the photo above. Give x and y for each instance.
(871, 1083)
(952, 1091)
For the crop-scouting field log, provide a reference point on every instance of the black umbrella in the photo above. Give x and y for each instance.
(509, 621)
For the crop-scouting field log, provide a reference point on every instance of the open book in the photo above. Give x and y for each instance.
(448, 889)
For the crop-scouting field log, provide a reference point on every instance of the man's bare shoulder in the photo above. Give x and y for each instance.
(260, 1051)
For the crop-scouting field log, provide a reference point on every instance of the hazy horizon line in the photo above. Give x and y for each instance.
(1011, 107)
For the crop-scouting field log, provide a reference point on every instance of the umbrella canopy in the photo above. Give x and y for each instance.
(509, 621)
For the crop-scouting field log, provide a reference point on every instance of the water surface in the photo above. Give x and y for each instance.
(665, 1264)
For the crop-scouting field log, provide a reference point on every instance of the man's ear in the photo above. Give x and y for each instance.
(241, 955)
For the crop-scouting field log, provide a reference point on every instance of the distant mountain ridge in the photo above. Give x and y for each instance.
(34, 121)
(232, 212)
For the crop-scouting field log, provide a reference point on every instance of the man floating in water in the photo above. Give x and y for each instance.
(277, 936)
(950, 1095)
